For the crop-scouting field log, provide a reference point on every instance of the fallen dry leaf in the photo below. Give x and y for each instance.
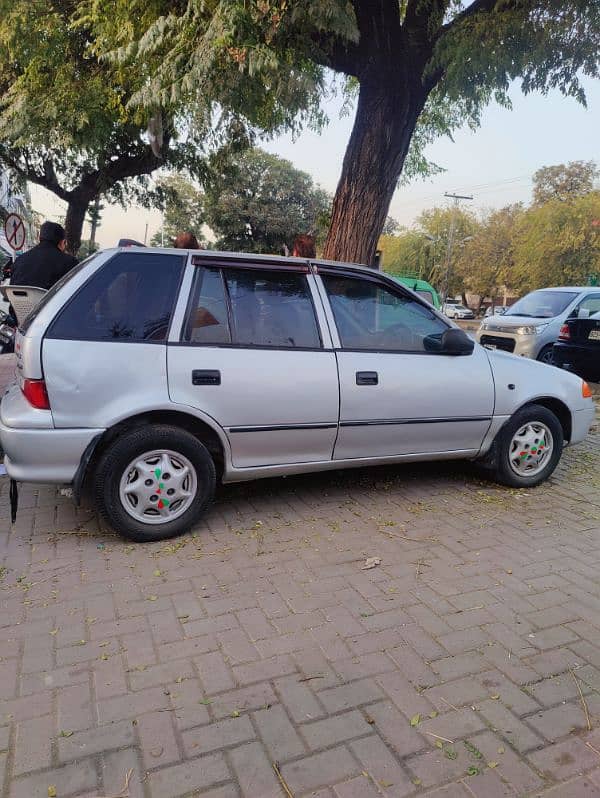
(371, 562)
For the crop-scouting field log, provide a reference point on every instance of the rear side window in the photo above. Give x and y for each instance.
(51, 293)
(251, 307)
(207, 321)
(131, 299)
(271, 309)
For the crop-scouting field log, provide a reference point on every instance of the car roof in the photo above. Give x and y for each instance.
(209, 254)
(566, 288)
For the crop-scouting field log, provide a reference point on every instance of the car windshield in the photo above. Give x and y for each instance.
(542, 304)
(459, 307)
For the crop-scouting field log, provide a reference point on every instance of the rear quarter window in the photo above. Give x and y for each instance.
(130, 299)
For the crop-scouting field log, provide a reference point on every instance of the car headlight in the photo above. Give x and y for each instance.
(531, 329)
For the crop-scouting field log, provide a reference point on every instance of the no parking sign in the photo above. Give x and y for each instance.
(14, 229)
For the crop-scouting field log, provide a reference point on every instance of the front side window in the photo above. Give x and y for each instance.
(590, 307)
(271, 309)
(369, 315)
(131, 299)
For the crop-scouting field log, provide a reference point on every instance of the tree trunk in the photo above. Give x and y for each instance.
(76, 210)
(386, 116)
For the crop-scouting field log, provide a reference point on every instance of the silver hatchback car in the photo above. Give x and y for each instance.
(151, 374)
(531, 326)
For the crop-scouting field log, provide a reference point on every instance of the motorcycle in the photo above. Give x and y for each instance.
(8, 330)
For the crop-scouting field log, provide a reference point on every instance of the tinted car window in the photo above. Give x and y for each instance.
(28, 321)
(368, 315)
(271, 309)
(130, 298)
(207, 321)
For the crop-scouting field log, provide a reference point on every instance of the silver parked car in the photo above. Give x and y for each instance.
(151, 374)
(531, 326)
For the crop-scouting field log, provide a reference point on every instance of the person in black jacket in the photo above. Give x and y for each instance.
(46, 263)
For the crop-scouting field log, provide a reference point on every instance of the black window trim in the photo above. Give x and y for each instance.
(63, 309)
(223, 262)
(381, 280)
(232, 331)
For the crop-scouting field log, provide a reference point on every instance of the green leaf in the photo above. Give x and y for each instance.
(415, 720)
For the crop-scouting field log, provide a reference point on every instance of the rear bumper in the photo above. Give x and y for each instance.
(44, 455)
(581, 360)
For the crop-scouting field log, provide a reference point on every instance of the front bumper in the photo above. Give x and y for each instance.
(522, 345)
(44, 455)
(581, 421)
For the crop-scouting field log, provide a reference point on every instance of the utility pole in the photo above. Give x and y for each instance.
(457, 198)
(95, 219)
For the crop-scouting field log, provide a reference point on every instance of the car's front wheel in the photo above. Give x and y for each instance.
(546, 355)
(154, 482)
(529, 447)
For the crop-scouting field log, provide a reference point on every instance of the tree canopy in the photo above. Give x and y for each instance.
(260, 203)
(183, 210)
(419, 68)
(66, 118)
(551, 242)
(564, 181)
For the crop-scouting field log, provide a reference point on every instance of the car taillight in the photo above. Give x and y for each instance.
(565, 333)
(36, 394)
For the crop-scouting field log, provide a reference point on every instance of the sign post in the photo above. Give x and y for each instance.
(14, 229)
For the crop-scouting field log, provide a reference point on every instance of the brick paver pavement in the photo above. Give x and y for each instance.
(467, 663)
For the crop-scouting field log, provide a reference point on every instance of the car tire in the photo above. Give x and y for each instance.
(129, 489)
(540, 424)
(545, 355)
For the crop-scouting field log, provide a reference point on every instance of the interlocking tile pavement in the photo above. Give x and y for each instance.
(465, 665)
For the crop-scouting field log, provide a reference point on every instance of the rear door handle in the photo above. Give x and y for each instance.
(206, 377)
(367, 378)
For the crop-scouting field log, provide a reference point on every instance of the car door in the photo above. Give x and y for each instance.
(397, 395)
(252, 354)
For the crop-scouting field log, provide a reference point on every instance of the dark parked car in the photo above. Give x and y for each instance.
(578, 347)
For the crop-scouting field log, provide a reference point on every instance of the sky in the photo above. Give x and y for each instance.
(493, 163)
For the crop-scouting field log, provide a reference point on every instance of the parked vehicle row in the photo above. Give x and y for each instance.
(152, 374)
(532, 325)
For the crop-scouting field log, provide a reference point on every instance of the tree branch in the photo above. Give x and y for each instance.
(478, 6)
(47, 180)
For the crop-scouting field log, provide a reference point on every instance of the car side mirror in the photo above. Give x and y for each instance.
(456, 342)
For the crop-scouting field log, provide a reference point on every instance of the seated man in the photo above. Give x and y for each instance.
(46, 263)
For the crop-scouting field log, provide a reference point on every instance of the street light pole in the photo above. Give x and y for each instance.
(457, 198)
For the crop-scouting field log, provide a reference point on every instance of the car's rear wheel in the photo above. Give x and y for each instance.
(546, 355)
(529, 447)
(154, 482)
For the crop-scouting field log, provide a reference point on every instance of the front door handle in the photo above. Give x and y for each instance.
(206, 377)
(367, 378)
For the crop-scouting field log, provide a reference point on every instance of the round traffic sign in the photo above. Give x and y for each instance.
(14, 229)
